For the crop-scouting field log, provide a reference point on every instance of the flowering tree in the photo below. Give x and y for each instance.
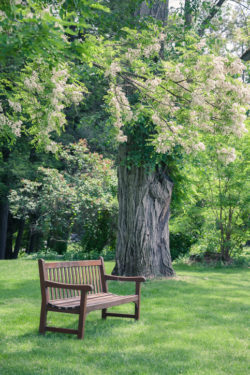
(37, 83)
(169, 91)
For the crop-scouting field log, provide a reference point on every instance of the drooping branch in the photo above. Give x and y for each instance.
(214, 10)
(240, 4)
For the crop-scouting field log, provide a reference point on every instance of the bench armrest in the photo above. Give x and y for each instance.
(81, 287)
(139, 279)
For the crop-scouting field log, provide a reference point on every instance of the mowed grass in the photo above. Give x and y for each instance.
(196, 323)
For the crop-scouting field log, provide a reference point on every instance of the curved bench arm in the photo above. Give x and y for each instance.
(139, 279)
(81, 287)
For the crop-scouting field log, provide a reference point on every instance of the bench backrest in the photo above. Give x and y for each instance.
(74, 272)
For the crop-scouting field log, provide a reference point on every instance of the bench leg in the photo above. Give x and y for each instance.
(137, 310)
(104, 311)
(43, 319)
(137, 304)
(82, 316)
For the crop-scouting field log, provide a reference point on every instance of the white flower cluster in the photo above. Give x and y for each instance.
(15, 126)
(199, 146)
(171, 134)
(62, 94)
(47, 94)
(226, 155)
(64, 91)
(133, 53)
(153, 83)
(52, 147)
(201, 44)
(74, 93)
(121, 110)
(2, 15)
(33, 83)
(152, 49)
(236, 67)
(15, 105)
(176, 74)
(113, 69)
(189, 98)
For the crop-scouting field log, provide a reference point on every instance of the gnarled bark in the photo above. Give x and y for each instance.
(144, 210)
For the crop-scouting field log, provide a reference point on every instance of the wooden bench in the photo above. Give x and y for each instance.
(80, 287)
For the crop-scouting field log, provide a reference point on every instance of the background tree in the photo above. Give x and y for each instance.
(35, 84)
(79, 197)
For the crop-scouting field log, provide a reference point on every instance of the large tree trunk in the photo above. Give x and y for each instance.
(4, 210)
(144, 210)
(144, 202)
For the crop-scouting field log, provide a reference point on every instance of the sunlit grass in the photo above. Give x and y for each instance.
(196, 323)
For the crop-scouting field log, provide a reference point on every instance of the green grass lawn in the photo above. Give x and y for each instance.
(197, 323)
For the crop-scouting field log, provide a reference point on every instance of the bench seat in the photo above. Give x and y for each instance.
(94, 302)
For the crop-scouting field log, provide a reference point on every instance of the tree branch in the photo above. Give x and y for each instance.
(211, 15)
(246, 55)
(237, 2)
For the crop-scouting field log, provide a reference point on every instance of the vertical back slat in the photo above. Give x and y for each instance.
(69, 281)
(73, 279)
(59, 280)
(64, 295)
(85, 276)
(82, 275)
(89, 277)
(49, 289)
(97, 279)
(86, 270)
(52, 290)
(93, 278)
(54, 276)
(78, 279)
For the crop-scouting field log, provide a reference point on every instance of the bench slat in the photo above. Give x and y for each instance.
(110, 302)
(73, 263)
(54, 277)
(70, 300)
(94, 302)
